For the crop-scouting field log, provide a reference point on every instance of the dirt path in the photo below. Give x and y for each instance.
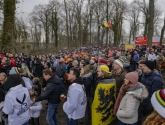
(60, 113)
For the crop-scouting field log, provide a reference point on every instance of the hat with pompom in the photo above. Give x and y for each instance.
(158, 102)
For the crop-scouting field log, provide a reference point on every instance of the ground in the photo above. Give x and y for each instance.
(61, 115)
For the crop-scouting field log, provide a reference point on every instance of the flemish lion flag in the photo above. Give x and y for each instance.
(103, 103)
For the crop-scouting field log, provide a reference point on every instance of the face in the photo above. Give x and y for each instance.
(82, 71)
(45, 66)
(34, 97)
(99, 72)
(71, 76)
(145, 69)
(10, 72)
(46, 77)
(2, 77)
(140, 66)
(74, 64)
(126, 81)
(116, 66)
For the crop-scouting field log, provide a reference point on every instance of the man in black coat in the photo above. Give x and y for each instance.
(52, 93)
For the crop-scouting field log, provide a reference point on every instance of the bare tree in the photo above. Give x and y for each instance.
(162, 32)
(132, 17)
(150, 23)
(120, 8)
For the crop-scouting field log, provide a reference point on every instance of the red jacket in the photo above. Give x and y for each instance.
(12, 62)
(2, 65)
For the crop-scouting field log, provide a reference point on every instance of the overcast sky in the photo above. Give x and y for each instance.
(26, 6)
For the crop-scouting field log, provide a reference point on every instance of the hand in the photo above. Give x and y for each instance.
(34, 100)
(125, 87)
(62, 98)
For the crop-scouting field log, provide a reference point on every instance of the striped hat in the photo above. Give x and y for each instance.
(119, 62)
(158, 102)
(15, 70)
(125, 61)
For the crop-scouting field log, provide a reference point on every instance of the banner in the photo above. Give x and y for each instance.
(103, 104)
(142, 40)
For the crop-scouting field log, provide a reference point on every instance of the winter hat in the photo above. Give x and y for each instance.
(15, 70)
(125, 61)
(61, 60)
(132, 77)
(48, 64)
(75, 62)
(150, 64)
(119, 62)
(12, 81)
(103, 61)
(92, 61)
(104, 68)
(158, 102)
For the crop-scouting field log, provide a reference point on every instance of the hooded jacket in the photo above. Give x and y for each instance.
(152, 82)
(129, 105)
(119, 78)
(53, 91)
(60, 70)
(75, 105)
(16, 105)
(35, 109)
(28, 83)
(87, 81)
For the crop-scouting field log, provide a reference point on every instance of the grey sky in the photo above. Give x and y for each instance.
(26, 6)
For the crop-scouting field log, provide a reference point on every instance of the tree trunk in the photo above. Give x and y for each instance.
(8, 25)
(150, 23)
(67, 25)
(107, 28)
(162, 32)
(56, 30)
(47, 32)
(90, 26)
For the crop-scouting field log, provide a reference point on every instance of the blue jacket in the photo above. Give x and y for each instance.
(136, 57)
(153, 82)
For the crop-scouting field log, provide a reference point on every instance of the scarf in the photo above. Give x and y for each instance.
(124, 88)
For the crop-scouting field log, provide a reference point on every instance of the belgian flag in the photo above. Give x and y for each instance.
(107, 24)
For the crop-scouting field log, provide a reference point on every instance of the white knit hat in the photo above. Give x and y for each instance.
(119, 62)
(158, 102)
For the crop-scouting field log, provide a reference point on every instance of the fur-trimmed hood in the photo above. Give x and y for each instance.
(86, 75)
(141, 93)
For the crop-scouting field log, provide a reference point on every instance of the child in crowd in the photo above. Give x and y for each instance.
(35, 109)
(36, 85)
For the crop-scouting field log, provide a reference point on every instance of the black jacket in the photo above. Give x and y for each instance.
(53, 91)
(2, 93)
(60, 70)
